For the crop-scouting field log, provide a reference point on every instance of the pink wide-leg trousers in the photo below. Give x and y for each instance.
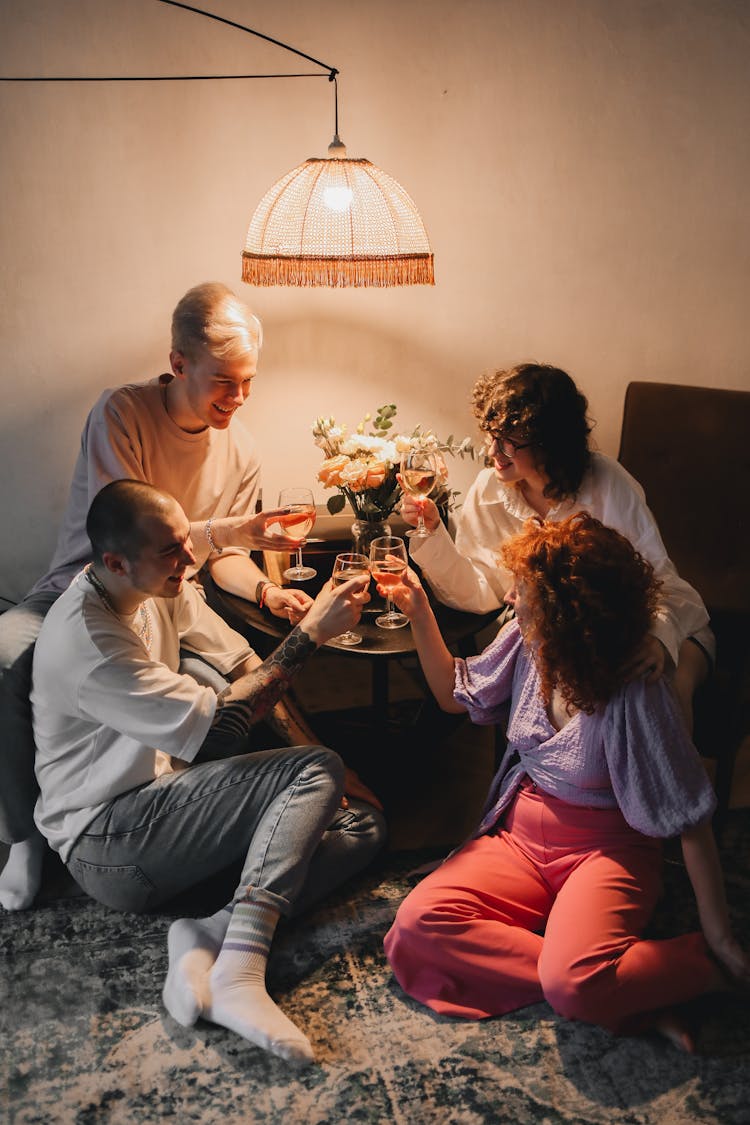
(468, 939)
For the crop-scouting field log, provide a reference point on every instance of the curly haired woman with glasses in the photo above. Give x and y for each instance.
(540, 463)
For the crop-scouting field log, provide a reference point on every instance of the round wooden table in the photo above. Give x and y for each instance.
(379, 646)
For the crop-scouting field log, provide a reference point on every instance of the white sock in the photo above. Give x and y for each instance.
(237, 981)
(193, 945)
(21, 877)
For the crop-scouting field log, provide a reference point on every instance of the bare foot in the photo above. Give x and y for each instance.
(673, 1028)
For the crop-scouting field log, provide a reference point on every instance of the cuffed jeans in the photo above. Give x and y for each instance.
(272, 808)
(19, 629)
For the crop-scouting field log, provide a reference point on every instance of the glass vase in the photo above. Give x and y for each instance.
(364, 531)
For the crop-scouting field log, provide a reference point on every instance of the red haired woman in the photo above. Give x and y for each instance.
(539, 463)
(550, 898)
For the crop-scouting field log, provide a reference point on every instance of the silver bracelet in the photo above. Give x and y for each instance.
(210, 538)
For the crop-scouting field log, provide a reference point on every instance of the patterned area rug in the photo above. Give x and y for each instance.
(86, 1041)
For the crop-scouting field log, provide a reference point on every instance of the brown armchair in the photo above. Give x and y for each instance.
(689, 447)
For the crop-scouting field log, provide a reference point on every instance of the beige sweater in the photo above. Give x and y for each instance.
(129, 434)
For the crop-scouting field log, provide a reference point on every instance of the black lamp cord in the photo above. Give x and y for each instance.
(330, 71)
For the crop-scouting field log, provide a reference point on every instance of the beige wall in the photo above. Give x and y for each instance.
(581, 166)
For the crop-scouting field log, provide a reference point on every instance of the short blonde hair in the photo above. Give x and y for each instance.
(212, 317)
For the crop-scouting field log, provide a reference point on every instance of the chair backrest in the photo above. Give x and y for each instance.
(689, 447)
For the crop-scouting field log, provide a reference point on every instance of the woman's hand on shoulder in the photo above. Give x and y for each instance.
(648, 662)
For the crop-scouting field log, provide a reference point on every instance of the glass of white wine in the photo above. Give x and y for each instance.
(418, 475)
(297, 523)
(349, 565)
(388, 559)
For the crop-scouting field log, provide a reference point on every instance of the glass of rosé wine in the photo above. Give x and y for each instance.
(349, 565)
(297, 523)
(388, 559)
(418, 474)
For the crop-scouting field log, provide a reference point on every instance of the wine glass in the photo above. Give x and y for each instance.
(387, 563)
(418, 475)
(297, 523)
(349, 565)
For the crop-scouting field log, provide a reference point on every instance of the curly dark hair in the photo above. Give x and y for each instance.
(590, 598)
(541, 404)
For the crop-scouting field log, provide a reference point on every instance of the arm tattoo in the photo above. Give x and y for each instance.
(261, 690)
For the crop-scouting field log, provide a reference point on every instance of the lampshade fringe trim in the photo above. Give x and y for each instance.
(411, 269)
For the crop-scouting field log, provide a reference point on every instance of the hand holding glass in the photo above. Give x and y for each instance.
(388, 560)
(418, 475)
(297, 524)
(349, 565)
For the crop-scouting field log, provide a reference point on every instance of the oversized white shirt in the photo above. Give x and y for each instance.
(108, 714)
(467, 574)
(129, 434)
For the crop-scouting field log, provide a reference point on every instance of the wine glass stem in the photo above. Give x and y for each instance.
(299, 558)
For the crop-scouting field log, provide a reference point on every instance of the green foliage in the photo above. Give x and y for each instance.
(336, 503)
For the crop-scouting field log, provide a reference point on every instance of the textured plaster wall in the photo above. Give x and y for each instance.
(581, 166)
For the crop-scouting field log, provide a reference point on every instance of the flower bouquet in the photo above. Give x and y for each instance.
(363, 466)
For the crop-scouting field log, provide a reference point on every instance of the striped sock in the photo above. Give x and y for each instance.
(237, 984)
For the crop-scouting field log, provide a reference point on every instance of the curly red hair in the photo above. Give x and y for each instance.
(590, 599)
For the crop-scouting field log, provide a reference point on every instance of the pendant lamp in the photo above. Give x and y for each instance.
(332, 221)
(337, 221)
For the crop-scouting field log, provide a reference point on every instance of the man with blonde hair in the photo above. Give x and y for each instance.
(178, 432)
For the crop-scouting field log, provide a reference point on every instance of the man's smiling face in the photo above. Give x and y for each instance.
(213, 389)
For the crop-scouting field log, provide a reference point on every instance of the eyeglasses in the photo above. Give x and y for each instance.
(506, 445)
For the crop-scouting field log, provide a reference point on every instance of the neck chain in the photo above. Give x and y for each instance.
(145, 631)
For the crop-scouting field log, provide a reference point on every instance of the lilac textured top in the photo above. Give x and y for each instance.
(633, 752)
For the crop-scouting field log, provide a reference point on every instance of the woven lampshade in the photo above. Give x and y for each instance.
(337, 221)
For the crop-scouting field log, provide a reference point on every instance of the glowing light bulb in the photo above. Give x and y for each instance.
(338, 198)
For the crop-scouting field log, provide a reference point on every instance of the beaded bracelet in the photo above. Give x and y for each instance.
(209, 537)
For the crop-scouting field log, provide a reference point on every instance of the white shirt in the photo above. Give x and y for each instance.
(467, 575)
(108, 715)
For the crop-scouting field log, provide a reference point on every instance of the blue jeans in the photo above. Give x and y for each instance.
(352, 839)
(19, 629)
(270, 809)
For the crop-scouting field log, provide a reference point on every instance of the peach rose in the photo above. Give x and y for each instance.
(329, 473)
(376, 474)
